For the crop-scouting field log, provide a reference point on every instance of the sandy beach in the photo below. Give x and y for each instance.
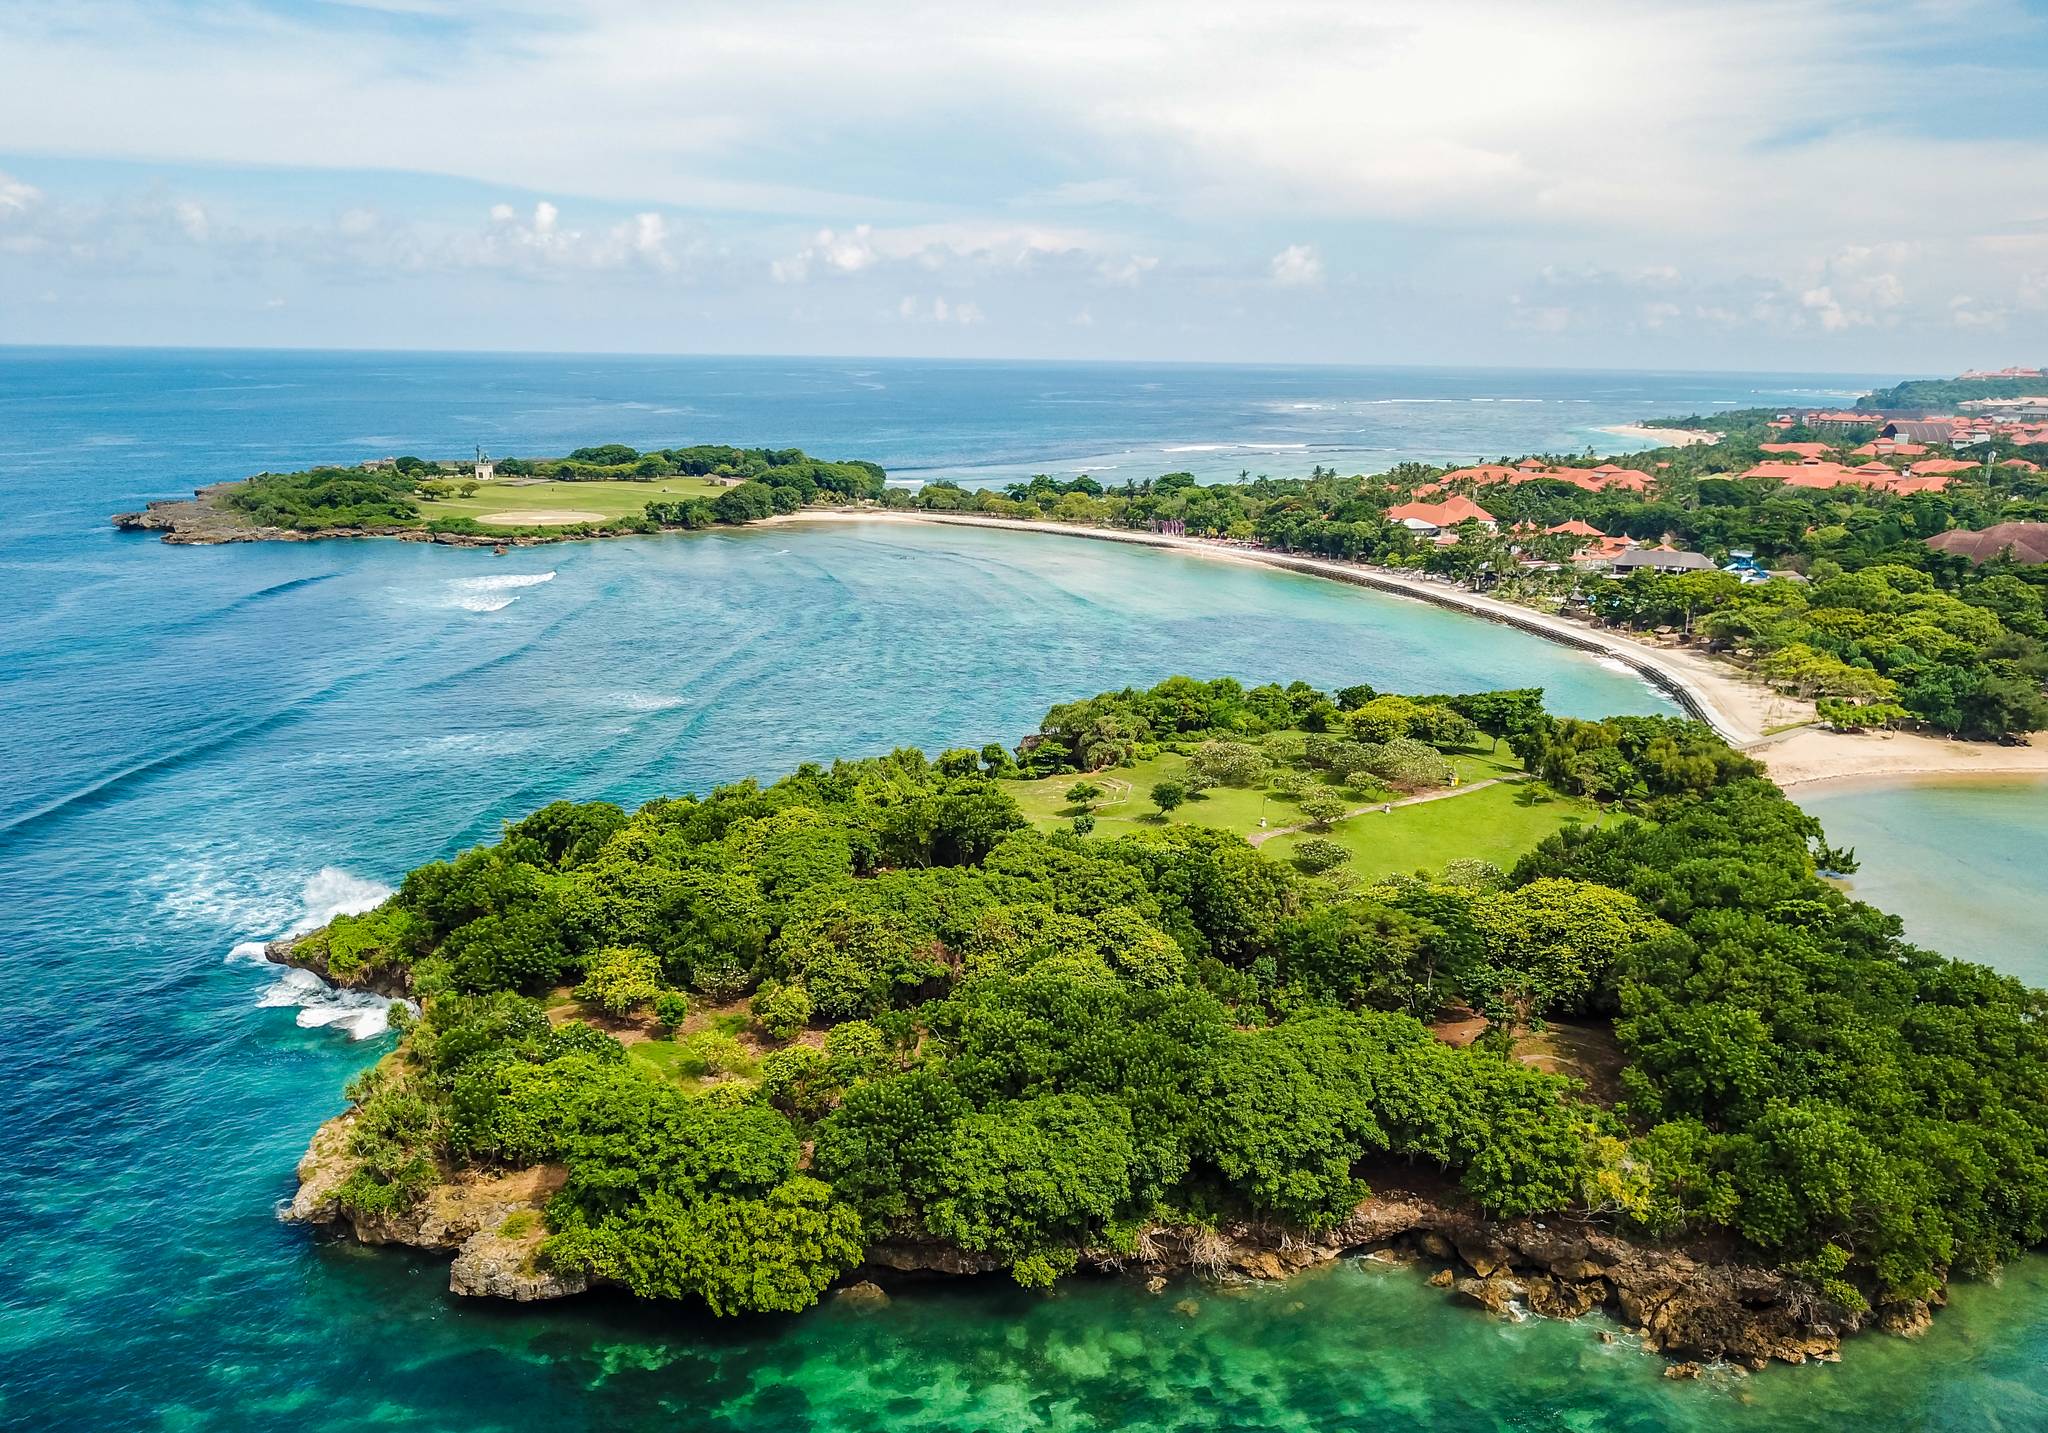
(1770, 725)
(1663, 437)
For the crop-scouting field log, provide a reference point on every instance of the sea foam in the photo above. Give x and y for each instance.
(494, 593)
(328, 892)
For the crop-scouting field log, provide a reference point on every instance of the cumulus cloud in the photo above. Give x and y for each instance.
(1298, 266)
(1477, 144)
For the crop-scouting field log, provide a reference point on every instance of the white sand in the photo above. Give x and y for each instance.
(1744, 711)
(1663, 437)
(540, 517)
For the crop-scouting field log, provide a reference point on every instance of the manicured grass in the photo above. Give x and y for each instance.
(607, 500)
(1490, 825)
(1496, 824)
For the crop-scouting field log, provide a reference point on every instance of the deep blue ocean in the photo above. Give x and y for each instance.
(204, 747)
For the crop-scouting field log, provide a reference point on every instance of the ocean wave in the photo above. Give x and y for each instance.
(647, 701)
(356, 1013)
(327, 893)
(494, 593)
(1198, 448)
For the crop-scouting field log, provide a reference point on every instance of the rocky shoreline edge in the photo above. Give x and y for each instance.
(200, 521)
(1692, 1304)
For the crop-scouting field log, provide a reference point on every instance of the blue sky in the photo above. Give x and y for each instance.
(1758, 183)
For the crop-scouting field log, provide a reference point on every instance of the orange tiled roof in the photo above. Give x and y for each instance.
(1448, 513)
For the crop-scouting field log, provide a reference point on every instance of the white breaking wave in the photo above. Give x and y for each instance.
(358, 1013)
(328, 893)
(495, 593)
(647, 701)
(1199, 448)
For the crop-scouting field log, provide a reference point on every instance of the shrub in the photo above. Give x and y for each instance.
(1323, 808)
(620, 978)
(672, 1008)
(1083, 824)
(712, 1052)
(1229, 763)
(1316, 856)
(782, 1009)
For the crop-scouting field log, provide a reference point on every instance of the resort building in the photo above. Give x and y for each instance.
(2024, 542)
(1431, 519)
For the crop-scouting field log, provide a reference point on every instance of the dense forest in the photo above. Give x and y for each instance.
(1026, 1044)
(1887, 631)
(1943, 394)
(763, 481)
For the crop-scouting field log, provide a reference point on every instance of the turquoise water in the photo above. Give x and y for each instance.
(205, 746)
(1958, 861)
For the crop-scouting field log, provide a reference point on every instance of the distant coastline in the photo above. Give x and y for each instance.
(1773, 728)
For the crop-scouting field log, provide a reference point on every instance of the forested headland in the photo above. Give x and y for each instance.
(756, 1037)
(410, 496)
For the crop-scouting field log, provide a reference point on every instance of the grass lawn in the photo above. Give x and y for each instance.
(1490, 825)
(1496, 824)
(606, 500)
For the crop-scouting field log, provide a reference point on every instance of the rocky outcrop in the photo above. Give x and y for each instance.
(492, 1222)
(306, 953)
(1691, 1304)
(1698, 1304)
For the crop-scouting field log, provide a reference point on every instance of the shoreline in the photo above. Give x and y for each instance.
(1768, 726)
(1686, 1302)
(1663, 437)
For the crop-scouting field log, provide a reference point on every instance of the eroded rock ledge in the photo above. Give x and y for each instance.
(203, 519)
(1686, 1303)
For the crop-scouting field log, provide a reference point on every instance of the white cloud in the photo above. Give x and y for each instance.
(937, 310)
(17, 197)
(1127, 269)
(1298, 266)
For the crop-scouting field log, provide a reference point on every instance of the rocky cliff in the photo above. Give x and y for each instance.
(1686, 1303)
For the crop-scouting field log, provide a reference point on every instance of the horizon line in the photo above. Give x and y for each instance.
(652, 355)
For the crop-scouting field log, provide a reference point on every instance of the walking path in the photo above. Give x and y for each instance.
(1776, 729)
(1260, 838)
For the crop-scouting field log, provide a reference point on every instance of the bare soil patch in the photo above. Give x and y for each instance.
(539, 517)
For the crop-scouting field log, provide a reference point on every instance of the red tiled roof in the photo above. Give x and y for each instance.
(1940, 465)
(1448, 513)
(1575, 528)
(1811, 473)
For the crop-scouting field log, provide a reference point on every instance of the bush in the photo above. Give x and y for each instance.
(1315, 856)
(782, 1010)
(672, 1008)
(620, 978)
(712, 1052)
(1229, 763)
(1083, 824)
(1323, 808)
(1412, 766)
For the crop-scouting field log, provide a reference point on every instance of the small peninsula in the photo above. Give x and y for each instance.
(606, 491)
(1200, 980)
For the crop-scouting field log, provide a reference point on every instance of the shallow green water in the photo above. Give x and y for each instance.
(1964, 864)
